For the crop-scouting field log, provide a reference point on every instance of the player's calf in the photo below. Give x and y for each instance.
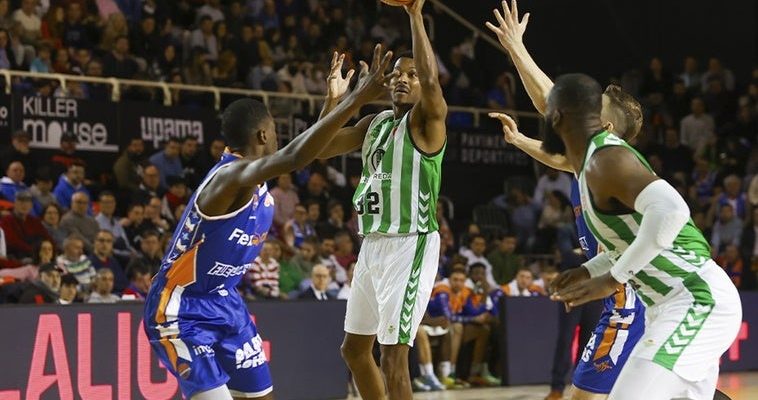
(394, 365)
(578, 394)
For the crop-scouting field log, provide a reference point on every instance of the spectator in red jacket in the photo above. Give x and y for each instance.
(23, 231)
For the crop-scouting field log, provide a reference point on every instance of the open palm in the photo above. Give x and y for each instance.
(337, 84)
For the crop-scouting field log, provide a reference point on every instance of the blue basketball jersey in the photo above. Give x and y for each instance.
(586, 240)
(218, 250)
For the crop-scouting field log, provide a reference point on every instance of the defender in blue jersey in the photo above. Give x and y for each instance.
(622, 320)
(196, 321)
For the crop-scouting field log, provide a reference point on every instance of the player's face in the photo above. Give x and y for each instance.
(405, 86)
(457, 281)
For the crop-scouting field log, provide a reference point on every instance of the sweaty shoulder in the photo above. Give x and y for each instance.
(616, 172)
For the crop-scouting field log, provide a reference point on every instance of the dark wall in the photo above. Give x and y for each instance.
(604, 38)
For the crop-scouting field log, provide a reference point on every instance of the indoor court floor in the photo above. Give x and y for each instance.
(739, 386)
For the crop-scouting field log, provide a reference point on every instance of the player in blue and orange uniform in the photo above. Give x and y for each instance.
(196, 321)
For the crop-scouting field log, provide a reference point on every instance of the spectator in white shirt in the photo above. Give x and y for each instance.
(476, 253)
(30, 22)
(212, 9)
(344, 293)
(103, 288)
(551, 180)
(204, 38)
(698, 127)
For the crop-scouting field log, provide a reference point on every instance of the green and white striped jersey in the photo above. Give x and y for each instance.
(674, 268)
(399, 186)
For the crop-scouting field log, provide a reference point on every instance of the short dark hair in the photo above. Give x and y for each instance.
(105, 193)
(476, 265)
(150, 232)
(136, 269)
(133, 206)
(627, 110)
(173, 139)
(577, 94)
(477, 236)
(240, 119)
(188, 138)
(69, 280)
(312, 240)
(404, 54)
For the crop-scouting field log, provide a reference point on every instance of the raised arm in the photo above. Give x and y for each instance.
(530, 146)
(428, 116)
(510, 33)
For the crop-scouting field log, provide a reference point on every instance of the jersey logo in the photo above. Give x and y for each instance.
(227, 270)
(243, 239)
(376, 158)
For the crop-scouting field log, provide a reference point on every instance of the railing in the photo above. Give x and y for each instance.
(313, 101)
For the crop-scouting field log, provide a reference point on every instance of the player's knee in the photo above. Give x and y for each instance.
(394, 361)
(354, 350)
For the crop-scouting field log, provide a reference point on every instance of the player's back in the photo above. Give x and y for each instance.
(208, 255)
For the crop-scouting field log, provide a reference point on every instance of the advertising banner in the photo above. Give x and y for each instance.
(47, 118)
(156, 123)
(101, 352)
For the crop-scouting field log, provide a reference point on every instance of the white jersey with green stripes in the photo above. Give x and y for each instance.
(676, 268)
(399, 186)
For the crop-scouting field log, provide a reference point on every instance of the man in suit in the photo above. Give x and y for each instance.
(320, 279)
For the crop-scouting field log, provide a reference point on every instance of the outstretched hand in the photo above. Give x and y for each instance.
(373, 82)
(509, 31)
(510, 129)
(337, 84)
(415, 7)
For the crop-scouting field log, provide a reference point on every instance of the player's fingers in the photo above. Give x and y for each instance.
(514, 10)
(386, 61)
(377, 57)
(499, 17)
(525, 20)
(349, 74)
(497, 31)
(364, 69)
(506, 8)
(334, 60)
(497, 116)
(388, 78)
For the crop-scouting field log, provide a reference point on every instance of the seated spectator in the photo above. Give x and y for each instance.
(335, 222)
(30, 22)
(698, 127)
(483, 293)
(475, 253)
(551, 181)
(192, 164)
(69, 289)
(298, 228)
(77, 221)
(43, 63)
(344, 254)
(548, 273)
(150, 186)
(344, 292)
(726, 230)
(285, 200)
(733, 264)
(501, 95)
(69, 183)
(703, 181)
(127, 168)
(77, 32)
(315, 191)
(150, 254)
(504, 260)
(153, 218)
(102, 288)
(74, 261)
(108, 221)
(45, 289)
(102, 257)
(42, 190)
(134, 224)
(139, 283)
(308, 256)
(320, 280)
(119, 62)
(19, 151)
(522, 286)
(469, 322)
(264, 273)
(66, 155)
(13, 182)
(177, 195)
(314, 212)
(734, 196)
(204, 38)
(167, 161)
(51, 220)
(22, 230)
(7, 267)
(557, 213)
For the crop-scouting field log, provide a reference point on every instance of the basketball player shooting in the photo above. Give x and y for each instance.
(402, 151)
(196, 321)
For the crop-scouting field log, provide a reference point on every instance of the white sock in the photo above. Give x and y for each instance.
(485, 369)
(426, 369)
(452, 368)
(476, 369)
(445, 369)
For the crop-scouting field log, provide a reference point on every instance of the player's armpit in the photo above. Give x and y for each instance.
(615, 173)
(347, 139)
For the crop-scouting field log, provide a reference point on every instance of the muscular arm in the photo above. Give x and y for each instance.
(664, 212)
(536, 82)
(428, 116)
(533, 147)
(347, 139)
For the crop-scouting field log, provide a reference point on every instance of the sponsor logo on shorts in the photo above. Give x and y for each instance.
(251, 354)
(243, 239)
(603, 366)
(227, 270)
(203, 349)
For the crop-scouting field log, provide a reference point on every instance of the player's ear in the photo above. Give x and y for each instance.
(262, 136)
(555, 118)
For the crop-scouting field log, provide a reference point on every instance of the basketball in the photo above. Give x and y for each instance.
(398, 3)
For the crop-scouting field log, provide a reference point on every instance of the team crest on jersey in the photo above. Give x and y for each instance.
(376, 158)
(269, 201)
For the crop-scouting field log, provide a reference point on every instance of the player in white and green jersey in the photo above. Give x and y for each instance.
(694, 310)
(402, 151)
